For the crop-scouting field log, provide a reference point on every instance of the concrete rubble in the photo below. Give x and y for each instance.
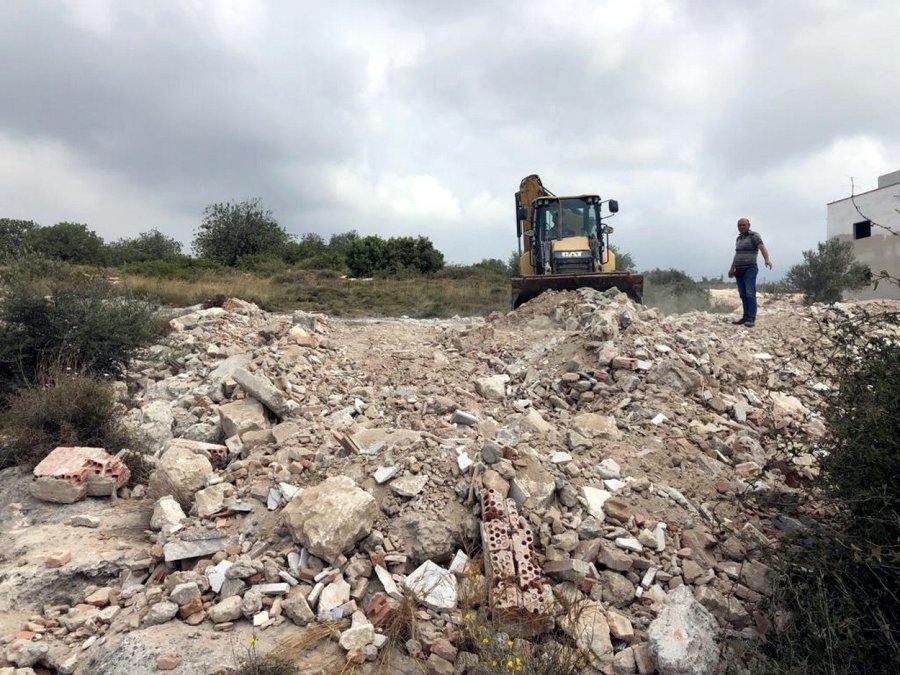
(309, 470)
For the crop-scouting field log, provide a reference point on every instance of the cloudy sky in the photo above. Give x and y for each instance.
(409, 117)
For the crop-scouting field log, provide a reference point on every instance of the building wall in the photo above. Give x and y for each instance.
(881, 251)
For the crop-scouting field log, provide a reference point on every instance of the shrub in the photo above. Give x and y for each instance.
(13, 235)
(180, 267)
(69, 242)
(825, 274)
(61, 409)
(839, 582)
(674, 292)
(231, 231)
(261, 264)
(371, 256)
(152, 245)
(70, 319)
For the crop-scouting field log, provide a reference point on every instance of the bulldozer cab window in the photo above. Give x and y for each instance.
(568, 218)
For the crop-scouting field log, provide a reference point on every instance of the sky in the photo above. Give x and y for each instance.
(419, 117)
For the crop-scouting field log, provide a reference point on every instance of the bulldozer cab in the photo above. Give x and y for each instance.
(567, 217)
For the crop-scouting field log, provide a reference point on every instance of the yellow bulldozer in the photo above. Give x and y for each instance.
(564, 244)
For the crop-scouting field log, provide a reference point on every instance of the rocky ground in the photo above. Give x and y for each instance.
(316, 480)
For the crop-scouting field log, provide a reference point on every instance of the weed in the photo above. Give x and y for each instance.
(61, 409)
(252, 663)
(837, 583)
(67, 318)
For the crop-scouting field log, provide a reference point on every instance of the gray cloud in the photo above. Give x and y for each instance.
(421, 117)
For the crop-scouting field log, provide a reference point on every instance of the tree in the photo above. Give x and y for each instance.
(512, 263)
(826, 273)
(398, 255)
(366, 255)
(624, 261)
(152, 245)
(13, 235)
(493, 265)
(230, 231)
(69, 242)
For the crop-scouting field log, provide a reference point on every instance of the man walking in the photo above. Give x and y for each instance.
(744, 269)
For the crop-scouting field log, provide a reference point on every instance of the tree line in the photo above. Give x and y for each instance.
(232, 234)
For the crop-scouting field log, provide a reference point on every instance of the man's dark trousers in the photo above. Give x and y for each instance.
(746, 283)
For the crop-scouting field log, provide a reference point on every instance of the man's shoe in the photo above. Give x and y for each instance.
(749, 324)
(739, 322)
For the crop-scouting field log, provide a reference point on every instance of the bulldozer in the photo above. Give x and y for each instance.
(563, 244)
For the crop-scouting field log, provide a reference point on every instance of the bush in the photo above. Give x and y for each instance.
(231, 231)
(674, 292)
(61, 409)
(152, 245)
(373, 256)
(13, 235)
(825, 274)
(69, 242)
(67, 319)
(180, 267)
(260, 264)
(839, 582)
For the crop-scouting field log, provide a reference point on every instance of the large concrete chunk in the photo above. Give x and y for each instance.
(425, 538)
(330, 517)
(180, 473)
(262, 390)
(246, 414)
(433, 586)
(587, 625)
(683, 636)
(592, 425)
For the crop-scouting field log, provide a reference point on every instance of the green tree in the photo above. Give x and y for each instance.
(826, 273)
(152, 245)
(624, 261)
(366, 256)
(13, 235)
(312, 252)
(69, 242)
(231, 231)
(339, 242)
(512, 263)
(398, 255)
(493, 265)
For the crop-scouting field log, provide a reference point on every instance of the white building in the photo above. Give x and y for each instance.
(874, 246)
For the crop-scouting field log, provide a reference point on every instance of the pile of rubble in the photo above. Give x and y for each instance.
(571, 471)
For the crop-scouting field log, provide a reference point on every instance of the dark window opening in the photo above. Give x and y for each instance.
(862, 230)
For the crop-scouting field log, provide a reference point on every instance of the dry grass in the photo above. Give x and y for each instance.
(182, 293)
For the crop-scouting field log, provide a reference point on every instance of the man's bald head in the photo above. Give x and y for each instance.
(743, 225)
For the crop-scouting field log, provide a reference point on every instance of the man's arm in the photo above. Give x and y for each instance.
(765, 253)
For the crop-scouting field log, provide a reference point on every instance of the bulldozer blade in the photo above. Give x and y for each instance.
(526, 288)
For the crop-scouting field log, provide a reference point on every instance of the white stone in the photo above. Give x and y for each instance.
(683, 636)
(388, 583)
(384, 473)
(560, 458)
(595, 498)
(216, 574)
(167, 514)
(333, 596)
(434, 586)
(609, 468)
(330, 517)
(460, 563)
(629, 544)
(613, 484)
(492, 388)
(463, 461)
(659, 419)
